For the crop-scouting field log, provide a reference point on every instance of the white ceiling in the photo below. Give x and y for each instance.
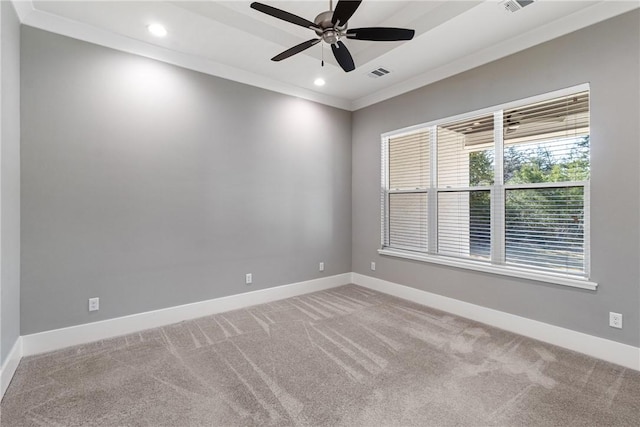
(231, 40)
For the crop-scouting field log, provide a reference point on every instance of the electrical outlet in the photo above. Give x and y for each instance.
(373, 266)
(248, 279)
(615, 320)
(321, 266)
(94, 304)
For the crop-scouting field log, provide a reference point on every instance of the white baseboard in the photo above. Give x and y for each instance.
(81, 334)
(9, 366)
(611, 351)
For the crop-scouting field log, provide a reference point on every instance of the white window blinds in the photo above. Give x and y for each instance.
(465, 172)
(505, 187)
(406, 196)
(546, 172)
(545, 228)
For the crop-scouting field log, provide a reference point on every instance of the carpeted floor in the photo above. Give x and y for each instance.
(347, 356)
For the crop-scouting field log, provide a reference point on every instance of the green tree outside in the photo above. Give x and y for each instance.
(547, 220)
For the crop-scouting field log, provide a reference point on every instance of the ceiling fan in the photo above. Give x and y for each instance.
(515, 119)
(549, 114)
(330, 27)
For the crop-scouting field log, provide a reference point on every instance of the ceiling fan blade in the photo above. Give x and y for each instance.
(380, 34)
(281, 14)
(344, 10)
(343, 56)
(296, 49)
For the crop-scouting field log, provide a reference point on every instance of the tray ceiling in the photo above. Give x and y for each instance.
(231, 40)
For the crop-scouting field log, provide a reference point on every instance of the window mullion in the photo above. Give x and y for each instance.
(433, 194)
(497, 193)
(587, 229)
(384, 174)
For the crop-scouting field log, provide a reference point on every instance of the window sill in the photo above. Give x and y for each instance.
(522, 273)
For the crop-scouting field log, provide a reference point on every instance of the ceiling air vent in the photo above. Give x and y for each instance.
(378, 72)
(516, 5)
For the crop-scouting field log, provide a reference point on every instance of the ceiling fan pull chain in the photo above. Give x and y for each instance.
(322, 62)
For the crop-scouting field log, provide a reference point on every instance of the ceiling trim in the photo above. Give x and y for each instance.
(601, 11)
(568, 24)
(22, 8)
(56, 24)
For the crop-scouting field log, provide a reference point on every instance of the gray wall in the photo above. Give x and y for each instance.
(9, 180)
(150, 186)
(606, 56)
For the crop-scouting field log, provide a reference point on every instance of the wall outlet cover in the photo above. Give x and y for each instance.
(94, 304)
(615, 320)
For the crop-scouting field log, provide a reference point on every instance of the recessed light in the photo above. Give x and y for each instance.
(319, 82)
(157, 30)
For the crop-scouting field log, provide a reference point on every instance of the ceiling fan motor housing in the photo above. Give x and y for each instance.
(326, 30)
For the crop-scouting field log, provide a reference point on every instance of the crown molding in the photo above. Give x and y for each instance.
(560, 27)
(56, 24)
(600, 11)
(23, 8)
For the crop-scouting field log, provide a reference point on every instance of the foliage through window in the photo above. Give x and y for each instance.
(505, 187)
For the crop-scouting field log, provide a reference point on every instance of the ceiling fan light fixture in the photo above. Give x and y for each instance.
(319, 81)
(330, 26)
(157, 30)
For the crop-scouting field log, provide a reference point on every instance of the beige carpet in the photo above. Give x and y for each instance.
(347, 356)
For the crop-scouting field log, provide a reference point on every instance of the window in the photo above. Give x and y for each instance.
(504, 190)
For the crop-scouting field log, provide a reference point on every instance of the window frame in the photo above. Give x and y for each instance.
(497, 261)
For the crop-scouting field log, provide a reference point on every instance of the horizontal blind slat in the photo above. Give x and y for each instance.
(408, 221)
(549, 233)
(464, 224)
